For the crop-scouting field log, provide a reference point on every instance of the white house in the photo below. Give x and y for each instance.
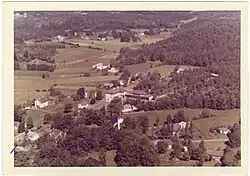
(180, 70)
(214, 74)
(100, 66)
(33, 136)
(182, 124)
(113, 70)
(128, 108)
(60, 38)
(223, 130)
(121, 83)
(41, 102)
(80, 106)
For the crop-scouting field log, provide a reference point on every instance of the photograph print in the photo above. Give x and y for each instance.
(127, 88)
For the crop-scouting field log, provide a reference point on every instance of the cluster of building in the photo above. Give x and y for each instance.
(124, 93)
(101, 66)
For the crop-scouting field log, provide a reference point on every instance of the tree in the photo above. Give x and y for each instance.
(148, 153)
(102, 157)
(99, 94)
(228, 158)
(18, 113)
(68, 108)
(29, 123)
(93, 100)
(234, 136)
(186, 156)
(238, 155)
(26, 54)
(177, 148)
(169, 119)
(47, 118)
(162, 147)
(43, 75)
(81, 92)
(125, 75)
(21, 127)
(205, 113)
(144, 123)
(115, 107)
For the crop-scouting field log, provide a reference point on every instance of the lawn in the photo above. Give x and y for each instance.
(25, 87)
(37, 116)
(142, 67)
(74, 54)
(84, 80)
(223, 118)
(116, 45)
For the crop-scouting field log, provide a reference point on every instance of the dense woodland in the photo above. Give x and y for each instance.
(43, 24)
(211, 44)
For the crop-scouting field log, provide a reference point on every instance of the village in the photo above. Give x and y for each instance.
(86, 92)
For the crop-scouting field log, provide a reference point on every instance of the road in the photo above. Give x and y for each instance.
(196, 141)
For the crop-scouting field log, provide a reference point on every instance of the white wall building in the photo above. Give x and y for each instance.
(41, 102)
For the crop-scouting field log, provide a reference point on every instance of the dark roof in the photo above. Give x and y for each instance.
(136, 92)
(113, 120)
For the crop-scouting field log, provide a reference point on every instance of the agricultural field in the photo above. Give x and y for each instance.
(25, 88)
(223, 118)
(116, 45)
(142, 67)
(69, 55)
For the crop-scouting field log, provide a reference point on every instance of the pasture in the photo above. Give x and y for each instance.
(25, 87)
(226, 117)
(116, 45)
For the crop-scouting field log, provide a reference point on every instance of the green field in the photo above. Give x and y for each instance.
(117, 45)
(223, 118)
(25, 86)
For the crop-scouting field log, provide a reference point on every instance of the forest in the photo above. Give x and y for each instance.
(43, 25)
(212, 45)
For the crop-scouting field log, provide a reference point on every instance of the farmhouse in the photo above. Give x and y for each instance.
(222, 130)
(177, 127)
(60, 38)
(100, 66)
(42, 102)
(33, 136)
(113, 70)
